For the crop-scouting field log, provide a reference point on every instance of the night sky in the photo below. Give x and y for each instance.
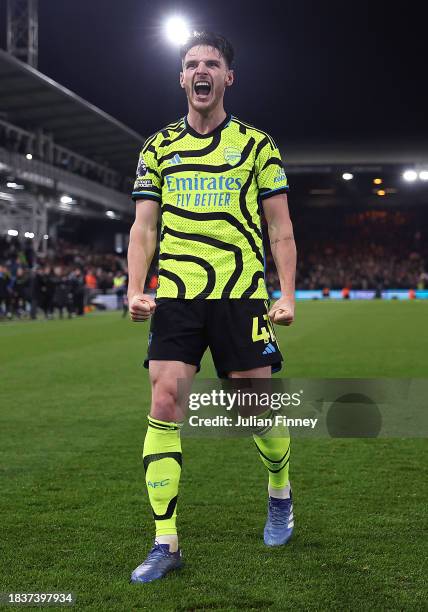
(305, 70)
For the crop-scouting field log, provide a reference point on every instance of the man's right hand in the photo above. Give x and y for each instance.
(141, 307)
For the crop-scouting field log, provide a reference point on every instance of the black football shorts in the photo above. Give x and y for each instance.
(238, 332)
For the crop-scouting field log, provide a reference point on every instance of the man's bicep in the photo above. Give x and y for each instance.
(276, 209)
(147, 213)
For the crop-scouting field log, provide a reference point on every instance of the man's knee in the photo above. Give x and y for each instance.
(167, 395)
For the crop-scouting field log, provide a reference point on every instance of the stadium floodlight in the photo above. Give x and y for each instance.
(12, 232)
(347, 176)
(423, 175)
(410, 175)
(65, 199)
(177, 30)
(29, 156)
(13, 185)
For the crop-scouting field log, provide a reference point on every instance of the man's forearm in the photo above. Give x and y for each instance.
(142, 246)
(283, 249)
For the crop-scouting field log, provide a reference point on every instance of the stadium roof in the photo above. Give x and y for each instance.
(31, 100)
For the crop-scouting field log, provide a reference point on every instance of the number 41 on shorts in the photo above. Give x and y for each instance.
(263, 332)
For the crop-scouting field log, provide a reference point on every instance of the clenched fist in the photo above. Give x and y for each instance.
(282, 312)
(141, 307)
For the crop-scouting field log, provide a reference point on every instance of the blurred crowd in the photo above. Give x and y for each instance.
(61, 284)
(366, 250)
(359, 266)
(358, 250)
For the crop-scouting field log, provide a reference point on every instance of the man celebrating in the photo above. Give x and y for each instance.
(207, 175)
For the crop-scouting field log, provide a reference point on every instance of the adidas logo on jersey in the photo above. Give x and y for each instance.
(174, 160)
(269, 349)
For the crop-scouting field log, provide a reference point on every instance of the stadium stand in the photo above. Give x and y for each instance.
(355, 250)
(58, 155)
(66, 174)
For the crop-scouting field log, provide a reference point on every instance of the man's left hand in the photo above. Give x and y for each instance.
(282, 312)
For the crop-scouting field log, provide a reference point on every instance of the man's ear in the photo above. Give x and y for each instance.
(181, 80)
(230, 77)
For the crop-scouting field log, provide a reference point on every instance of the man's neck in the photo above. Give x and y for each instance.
(204, 124)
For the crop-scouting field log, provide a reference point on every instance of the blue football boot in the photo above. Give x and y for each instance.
(280, 521)
(158, 563)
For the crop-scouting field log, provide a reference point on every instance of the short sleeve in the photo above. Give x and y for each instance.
(147, 182)
(270, 173)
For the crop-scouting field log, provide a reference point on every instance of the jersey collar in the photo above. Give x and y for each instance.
(220, 127)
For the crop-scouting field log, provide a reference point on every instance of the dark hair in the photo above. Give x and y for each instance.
(210, 39)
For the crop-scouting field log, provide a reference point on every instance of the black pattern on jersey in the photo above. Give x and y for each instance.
(254, 283)
(148, 142)
(273, 162)
(188, 214)
(151, 171)
(211, 277)
(168, 141)
(215, 141)
(152, 150)
(178, 126)
(219, 244)
(251, 127)
(209, 168)
(243, 205)
(261, 146)
(181, 288)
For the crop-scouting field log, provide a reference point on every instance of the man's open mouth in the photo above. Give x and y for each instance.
(202, 88)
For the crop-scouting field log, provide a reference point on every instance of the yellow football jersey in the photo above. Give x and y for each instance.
(209, 187)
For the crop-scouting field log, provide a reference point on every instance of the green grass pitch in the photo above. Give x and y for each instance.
(75, 515)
